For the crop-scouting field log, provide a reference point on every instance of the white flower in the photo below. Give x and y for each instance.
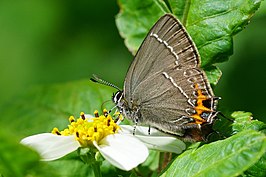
(122, 150)
(117, 144)
(156, 139)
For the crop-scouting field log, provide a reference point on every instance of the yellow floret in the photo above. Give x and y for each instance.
(89, 130)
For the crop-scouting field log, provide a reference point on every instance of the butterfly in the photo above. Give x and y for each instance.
(165, 87)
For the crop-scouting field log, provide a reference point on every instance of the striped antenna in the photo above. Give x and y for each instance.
(101, 81)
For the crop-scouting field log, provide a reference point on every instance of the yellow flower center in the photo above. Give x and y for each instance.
(88, 130)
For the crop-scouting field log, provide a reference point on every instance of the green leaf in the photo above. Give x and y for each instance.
(244, 121)
(258, 169)
(213, 73)
(15, 159)
(44, 107)
(18, 160)
(150, 166)
(136, 18)
(211, 24)
(72, 168)
(229, 157)
(178, 8)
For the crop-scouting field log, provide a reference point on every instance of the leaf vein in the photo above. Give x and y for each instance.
(213, 40)
(212, 16)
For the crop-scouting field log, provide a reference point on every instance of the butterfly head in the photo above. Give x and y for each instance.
(117, 97)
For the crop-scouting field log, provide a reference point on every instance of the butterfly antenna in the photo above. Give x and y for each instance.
(102, 106)
(101, 81)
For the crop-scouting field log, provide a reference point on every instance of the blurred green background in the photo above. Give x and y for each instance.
(46, 42)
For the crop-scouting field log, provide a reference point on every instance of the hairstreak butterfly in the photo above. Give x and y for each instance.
(165, 87)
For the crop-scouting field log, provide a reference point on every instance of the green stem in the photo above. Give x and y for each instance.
(185, 13)
(96, 169)
(164, 159)
(88, 156)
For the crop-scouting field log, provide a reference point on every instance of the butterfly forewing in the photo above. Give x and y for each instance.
(164, 46)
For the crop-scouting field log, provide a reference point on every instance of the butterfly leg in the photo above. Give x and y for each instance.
(119, 117)
(135, 126)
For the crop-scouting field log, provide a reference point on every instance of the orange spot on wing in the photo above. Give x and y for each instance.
(200, 108)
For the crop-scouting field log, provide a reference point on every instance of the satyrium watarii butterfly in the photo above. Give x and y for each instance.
(165, 87)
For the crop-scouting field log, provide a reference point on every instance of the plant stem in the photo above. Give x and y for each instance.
(96, 169)
(165, 159)
(88, 157)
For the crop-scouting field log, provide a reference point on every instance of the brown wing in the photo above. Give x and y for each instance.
(165, 79)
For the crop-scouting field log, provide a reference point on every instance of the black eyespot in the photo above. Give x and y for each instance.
(207, 103)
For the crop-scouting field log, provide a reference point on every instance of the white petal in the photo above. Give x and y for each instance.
(156, 140)
(88, 116)
(123, 151)
(51, 146)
